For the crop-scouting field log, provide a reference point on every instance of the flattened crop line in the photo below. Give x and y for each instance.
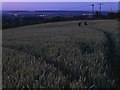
(65, 71)
(112, 57)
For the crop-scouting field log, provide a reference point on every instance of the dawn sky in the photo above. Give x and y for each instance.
(60, 0)
(58, 6)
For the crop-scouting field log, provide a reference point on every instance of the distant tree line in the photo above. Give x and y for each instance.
(110, 15)
(8, 22)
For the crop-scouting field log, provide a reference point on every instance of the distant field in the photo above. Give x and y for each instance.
(62, 54)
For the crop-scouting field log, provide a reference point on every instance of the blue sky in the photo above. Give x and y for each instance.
(107, 6)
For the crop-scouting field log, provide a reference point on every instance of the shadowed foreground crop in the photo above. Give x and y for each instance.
(58, 55)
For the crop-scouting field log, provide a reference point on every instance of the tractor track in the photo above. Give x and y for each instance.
(112, 55)
(65, 71)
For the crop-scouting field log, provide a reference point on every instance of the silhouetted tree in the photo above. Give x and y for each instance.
(112, 15)
(98, 14)
(118, 15)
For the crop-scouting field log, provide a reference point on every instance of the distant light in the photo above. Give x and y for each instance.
(84, 14)
(15, 14)
(41, 15)
(90, 14)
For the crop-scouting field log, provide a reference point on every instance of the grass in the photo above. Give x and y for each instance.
(60, 55)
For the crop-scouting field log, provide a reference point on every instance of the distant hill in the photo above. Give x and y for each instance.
(54, 13)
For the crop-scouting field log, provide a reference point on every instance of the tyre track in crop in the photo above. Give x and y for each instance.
(112, 55)
(65, 71)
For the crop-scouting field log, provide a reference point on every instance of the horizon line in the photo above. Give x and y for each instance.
(55, 10)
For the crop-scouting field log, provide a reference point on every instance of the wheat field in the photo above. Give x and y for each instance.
(62, 55)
